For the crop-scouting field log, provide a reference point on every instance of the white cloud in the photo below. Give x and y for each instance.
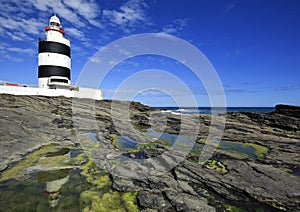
(112, 62)
(9, 23)
(20, 29)
(20, 19)
(129, 15)
(124, 52)
(42, 5)
(21, 50)
(229, 7)
(87, 9)
(15, 36)
(24, 20)
(175, 27)
(56, 6)
(19, 8)
(153, 92)
(9, 53)
(135, 64)
(75, 33)
(126, 92)
(31, 26)
(95, 59)
(71, 10)
(12, 58)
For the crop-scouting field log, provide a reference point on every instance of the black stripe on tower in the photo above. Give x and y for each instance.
(48, 71)
(54, 47)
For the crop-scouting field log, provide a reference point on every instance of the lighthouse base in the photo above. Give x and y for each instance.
(87, 93)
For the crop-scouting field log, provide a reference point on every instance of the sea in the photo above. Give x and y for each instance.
(217, 110)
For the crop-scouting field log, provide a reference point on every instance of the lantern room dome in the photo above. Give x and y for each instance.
(54, 21)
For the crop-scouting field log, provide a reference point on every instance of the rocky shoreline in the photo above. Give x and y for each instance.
(255, 167)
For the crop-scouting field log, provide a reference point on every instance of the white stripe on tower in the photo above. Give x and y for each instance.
(48, 59)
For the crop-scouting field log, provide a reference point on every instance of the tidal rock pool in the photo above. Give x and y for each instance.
(56, 178)
(182, 143)
(44, 191)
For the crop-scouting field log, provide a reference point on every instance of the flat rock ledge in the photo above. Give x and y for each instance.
(269, 181)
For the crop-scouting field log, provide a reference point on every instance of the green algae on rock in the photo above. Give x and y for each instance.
(250, 183)
(215, 165)
(255, 151)
(252, 150)
(47, 176)
(100, 197)
(60, 151)
(33, 195)
(91, 201)
(36, 158)
(278, 207)
(114, 138)
(260, 151)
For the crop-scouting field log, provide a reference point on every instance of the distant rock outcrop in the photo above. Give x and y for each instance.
(293, 111)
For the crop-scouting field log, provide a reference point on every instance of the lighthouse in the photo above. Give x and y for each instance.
(54, 69)
(54, 57)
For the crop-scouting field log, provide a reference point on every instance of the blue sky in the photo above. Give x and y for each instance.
(254, 45)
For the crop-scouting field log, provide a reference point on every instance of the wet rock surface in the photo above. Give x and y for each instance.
(269, 181)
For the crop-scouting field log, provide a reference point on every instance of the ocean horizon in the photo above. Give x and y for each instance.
(215, 110)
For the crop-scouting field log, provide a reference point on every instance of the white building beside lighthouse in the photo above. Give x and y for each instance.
(54, 68)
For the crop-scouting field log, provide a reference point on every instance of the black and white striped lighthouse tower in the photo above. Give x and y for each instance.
(54, 58)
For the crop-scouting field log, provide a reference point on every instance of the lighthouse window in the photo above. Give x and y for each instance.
(59, 80)
(54, 24)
